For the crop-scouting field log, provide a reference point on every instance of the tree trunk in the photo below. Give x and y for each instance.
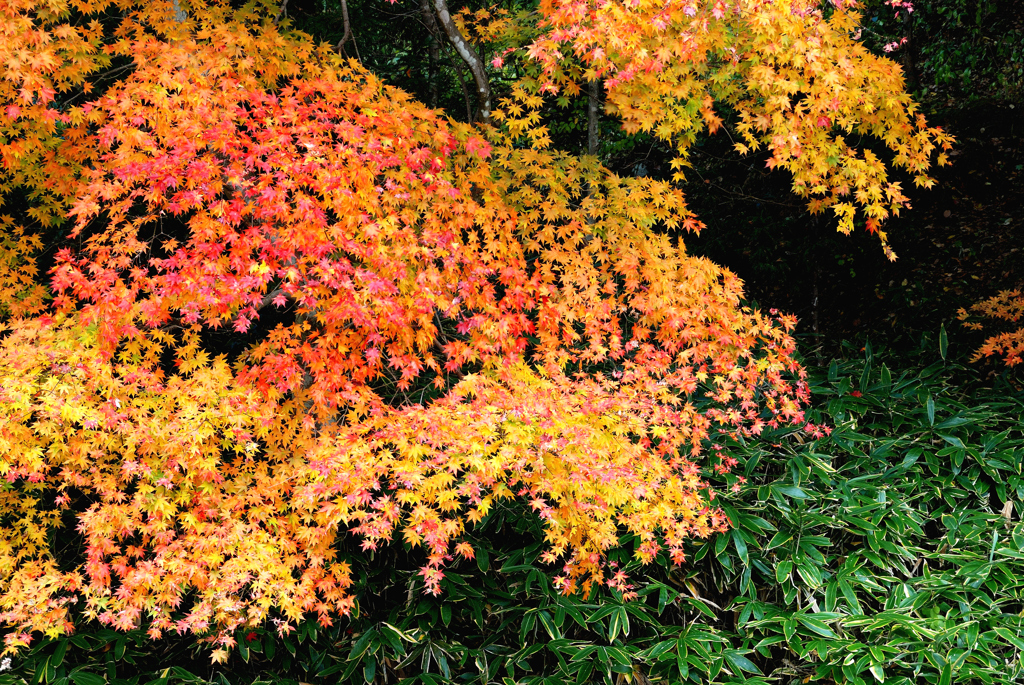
(470, 57)
(593, 112)
(179, 14)
(348, 31)
(908, 62)
(593, 136)
(434, 53)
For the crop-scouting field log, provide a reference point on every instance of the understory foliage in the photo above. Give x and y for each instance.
(890, 551)
(288, 306)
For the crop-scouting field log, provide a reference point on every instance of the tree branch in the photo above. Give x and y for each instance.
(281, 12)
(348, 32)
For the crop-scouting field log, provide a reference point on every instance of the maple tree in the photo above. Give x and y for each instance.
(434, 316)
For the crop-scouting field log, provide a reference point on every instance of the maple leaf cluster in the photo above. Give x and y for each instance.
(792, 72)
(434, 316)
(1007, 306)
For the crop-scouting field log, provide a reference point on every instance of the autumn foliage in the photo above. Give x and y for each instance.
(1007, 306)
(801, 87)
(428, 317)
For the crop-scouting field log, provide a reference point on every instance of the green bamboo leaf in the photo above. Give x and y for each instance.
(119, 647)
(624, 621)
(741, 546)
(442, 664)
(851, 597)
(662, 599)
(270, 649)
(946, 677)
(1010, 637)
(549, 625)
(619, 656)
(952, 440)
(58, 653)
(83, 678)
(865, 377)
(574, 613)
(721, 542)
(613, 627)
(972, 634)
(361, 645)
(483, 559)
(681, 652)
(658, 650)
(741, 663)
(789, 629)
(816, 625)
(780, 538)
(810, 574)
(701, 607)
(716, 668)
(791, 490)
(369, 668)
(392, 636)
(1018, 536)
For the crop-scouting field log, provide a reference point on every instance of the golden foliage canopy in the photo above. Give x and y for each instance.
(434, 316)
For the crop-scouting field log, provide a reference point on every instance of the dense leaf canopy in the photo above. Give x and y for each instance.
(425, 316)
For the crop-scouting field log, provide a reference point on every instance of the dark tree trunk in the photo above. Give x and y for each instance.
(908, 60)
(593, 114)
(434, 53)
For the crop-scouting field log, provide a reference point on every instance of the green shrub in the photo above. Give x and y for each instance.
(895, 554)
